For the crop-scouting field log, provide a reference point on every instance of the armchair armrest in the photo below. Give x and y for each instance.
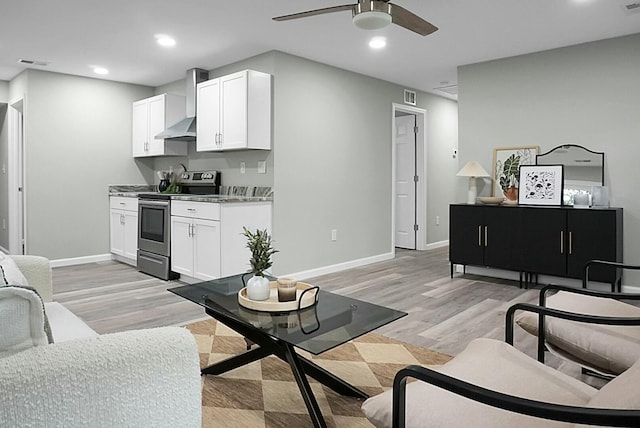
(618, 265)
(37, 271)
(559, 412)
(135, 378)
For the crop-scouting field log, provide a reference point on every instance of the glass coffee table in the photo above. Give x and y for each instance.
(332, 321)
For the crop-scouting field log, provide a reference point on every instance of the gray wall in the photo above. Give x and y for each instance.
(4, 91)
(330, 165)
(332, 160)
(77, 142)
(586, 94)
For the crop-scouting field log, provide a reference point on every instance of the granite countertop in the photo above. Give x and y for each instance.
(227, 193)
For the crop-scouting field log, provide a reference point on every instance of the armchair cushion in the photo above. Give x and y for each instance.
(604, 348)
(494, 365)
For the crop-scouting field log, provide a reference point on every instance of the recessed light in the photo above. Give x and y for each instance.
(377, 43)
(164, 40)
(100, 70)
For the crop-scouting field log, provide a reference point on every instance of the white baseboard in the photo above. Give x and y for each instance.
(341, 266)
(435, 245)
(81, 260)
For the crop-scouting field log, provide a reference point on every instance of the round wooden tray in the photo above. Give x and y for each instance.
(272, 305)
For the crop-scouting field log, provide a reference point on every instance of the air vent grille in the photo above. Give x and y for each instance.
(448, 89)
(410, 97)
(33, 62)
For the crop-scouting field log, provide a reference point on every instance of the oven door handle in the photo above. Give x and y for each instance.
(154, 203)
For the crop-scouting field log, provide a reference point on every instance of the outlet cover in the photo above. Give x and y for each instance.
(262, 167)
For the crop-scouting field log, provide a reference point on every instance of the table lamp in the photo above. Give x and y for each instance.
(472, 169)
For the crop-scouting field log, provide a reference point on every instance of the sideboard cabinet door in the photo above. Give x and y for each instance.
(544, 235)
(594, 234)
(465, 234)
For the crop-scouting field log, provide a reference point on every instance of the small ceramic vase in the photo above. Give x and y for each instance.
(258, 288)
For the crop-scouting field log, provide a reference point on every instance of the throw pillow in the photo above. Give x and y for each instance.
(10, 272)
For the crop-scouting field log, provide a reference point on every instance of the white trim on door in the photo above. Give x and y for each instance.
(15, 179)
(421, 162)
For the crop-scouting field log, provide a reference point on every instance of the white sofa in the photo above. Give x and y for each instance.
(141, 378)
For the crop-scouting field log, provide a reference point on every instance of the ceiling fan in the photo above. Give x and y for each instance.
(373, 15)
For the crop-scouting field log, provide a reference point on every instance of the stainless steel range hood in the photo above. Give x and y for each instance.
(185, 130)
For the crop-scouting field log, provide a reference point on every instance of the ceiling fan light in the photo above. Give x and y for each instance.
(372, 20)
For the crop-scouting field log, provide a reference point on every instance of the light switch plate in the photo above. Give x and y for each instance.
(262, 167)
(242, 168)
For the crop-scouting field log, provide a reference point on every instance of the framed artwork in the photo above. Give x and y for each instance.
(541, 184)
(506, 169)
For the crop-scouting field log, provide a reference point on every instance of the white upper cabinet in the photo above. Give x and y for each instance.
(151, 116)
(234, 112)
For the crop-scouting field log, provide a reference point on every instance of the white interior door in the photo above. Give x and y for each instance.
(405, 145)
(17, 244)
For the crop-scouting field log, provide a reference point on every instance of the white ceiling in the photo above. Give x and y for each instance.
(73, 35)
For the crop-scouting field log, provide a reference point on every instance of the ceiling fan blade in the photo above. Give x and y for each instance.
(411, 21)
(315, 12)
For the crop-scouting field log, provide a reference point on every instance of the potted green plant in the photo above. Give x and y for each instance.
(261, 247)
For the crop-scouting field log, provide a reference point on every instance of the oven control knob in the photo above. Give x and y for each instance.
(207, 176)
(184, 176)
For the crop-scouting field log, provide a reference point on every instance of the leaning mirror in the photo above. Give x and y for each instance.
(583, 168)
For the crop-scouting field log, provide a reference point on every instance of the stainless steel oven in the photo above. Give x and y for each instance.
(154, 222)
(154, 230)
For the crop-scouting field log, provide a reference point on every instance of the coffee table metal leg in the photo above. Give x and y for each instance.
(236, 361)
(330, 380)
(303, 384)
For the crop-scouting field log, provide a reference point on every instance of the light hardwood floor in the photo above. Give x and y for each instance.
(445, 313)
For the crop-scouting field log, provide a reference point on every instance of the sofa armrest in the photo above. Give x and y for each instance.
(136, 378)
(37, 270)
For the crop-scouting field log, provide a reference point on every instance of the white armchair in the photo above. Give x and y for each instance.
(137, 378)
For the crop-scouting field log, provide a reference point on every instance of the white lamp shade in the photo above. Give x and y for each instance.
(472, 169)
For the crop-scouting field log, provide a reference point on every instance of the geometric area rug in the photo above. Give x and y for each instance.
(264, 394)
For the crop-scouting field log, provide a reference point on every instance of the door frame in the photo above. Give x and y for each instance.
(421, 166)
(16, 178)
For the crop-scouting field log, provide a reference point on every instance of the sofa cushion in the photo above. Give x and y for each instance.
(65, 325)
(22, 319)
(609, 349)
(494, 365)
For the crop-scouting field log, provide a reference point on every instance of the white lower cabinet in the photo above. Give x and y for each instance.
(195, 247)
(124, 228)
(207, 240)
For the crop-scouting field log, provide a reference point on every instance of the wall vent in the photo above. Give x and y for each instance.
(448, 89)
(410, 97)
(33, 62)
(631, 8)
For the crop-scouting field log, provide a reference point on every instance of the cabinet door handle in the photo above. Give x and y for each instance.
(121, 218)
(486, 236)
(562, 242)
(220, 138)
(479, 236)
(570, 243)
(190, 233)
(192, 210)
